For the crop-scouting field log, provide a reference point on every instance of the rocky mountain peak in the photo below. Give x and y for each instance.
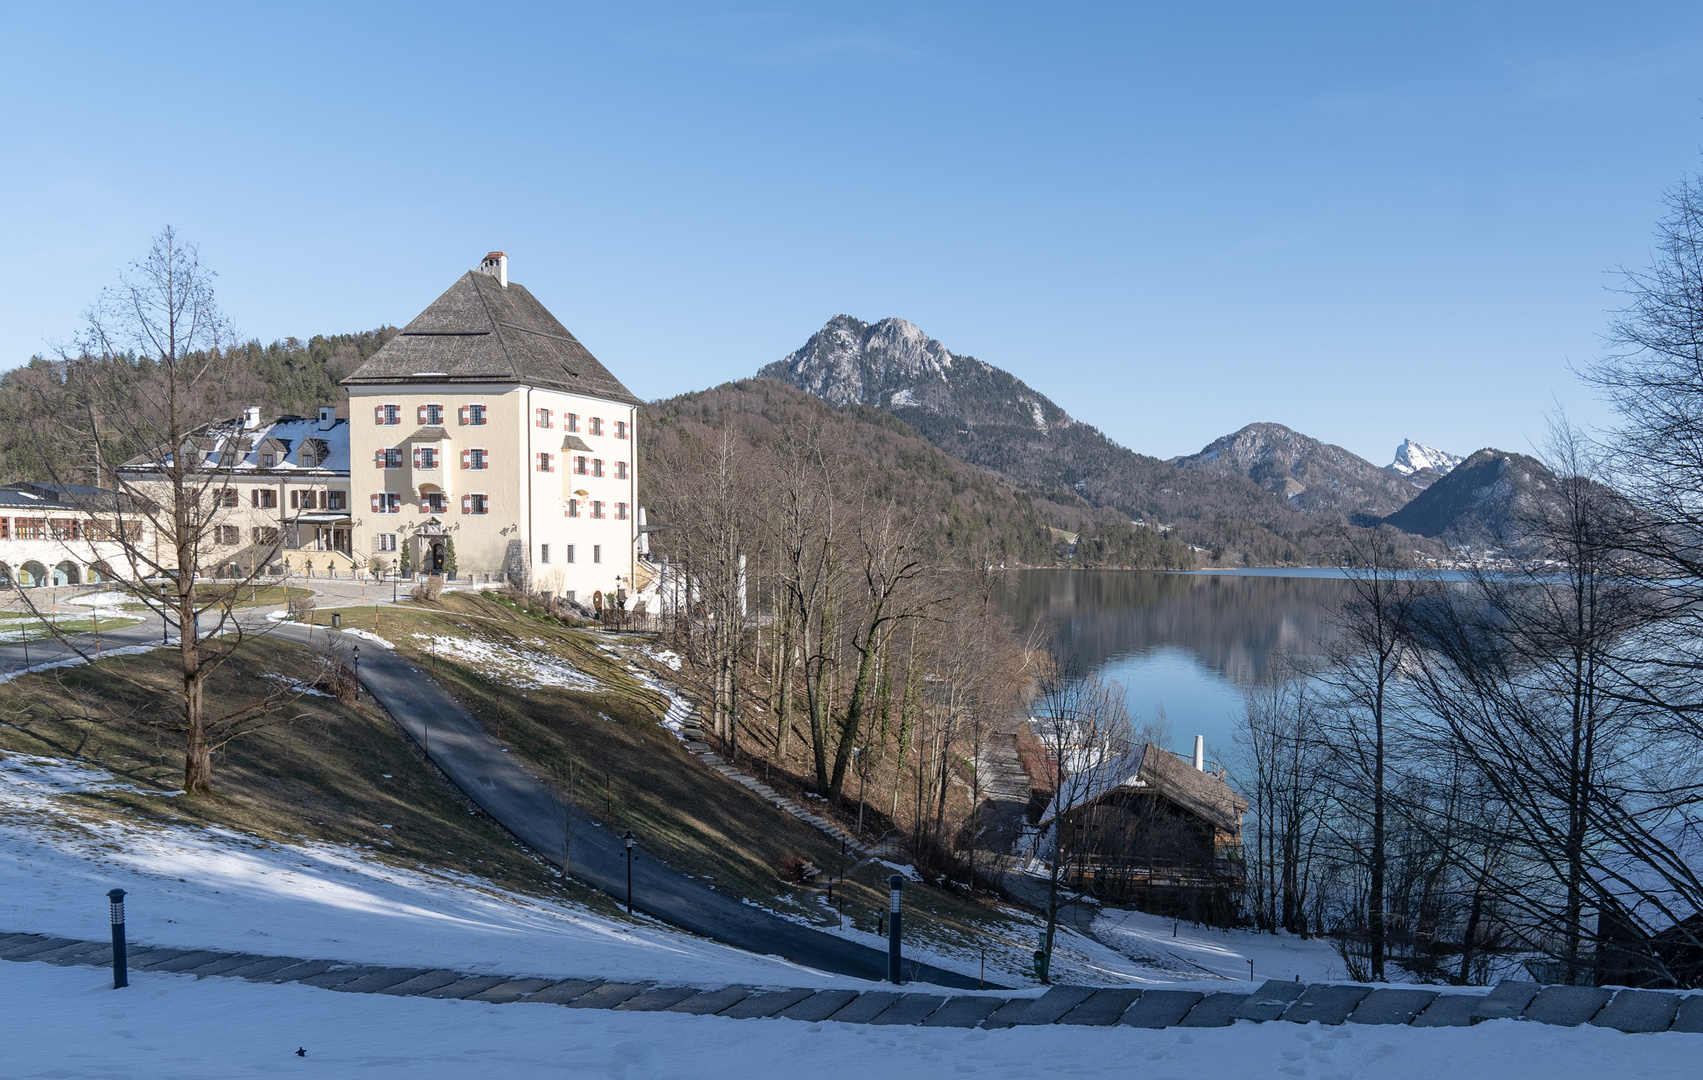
(1413, 457)
(1310, 474)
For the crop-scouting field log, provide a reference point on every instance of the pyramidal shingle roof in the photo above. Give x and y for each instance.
(480, 331)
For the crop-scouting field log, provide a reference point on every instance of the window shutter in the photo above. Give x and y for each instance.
(461, 413)
(375, 503)
(378, 414)
(420, 415)
(467, 504)
(254, 497)
(321, 500)
(467, 459)
(416, 457)
(550, 461)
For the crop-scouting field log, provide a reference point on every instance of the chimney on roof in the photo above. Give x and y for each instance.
(251, 418)
(327, 417)
(497, 265)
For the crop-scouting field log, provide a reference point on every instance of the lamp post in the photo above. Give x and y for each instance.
(165, 623)
(630, 840)
(895, 885)
(357, 673)
(120, 964)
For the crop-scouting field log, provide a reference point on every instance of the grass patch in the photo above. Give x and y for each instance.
(321, 777)
(630, 773)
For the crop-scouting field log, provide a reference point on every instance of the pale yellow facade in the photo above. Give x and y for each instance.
(495, 468)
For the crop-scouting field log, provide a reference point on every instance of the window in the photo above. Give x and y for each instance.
(543, 553)
(473, 415)
(228, 458)
(597, 553)
(229, 535)
(227, 496)
(620, 470)
(620, 511)
(425, 457)
(268, 461)
(571, 510)
(5, 528)
(390, 459)
(385, 542)
(569, 551)
(570, 421)
(543, 418)
(474, 459)
(64, 528)
(595, 425)
(434, 502)
(387, 415)
(264, 498)
(32, 528)
(597, 466)
(579, 465)
(339, 501)
(546, 463)
(475, 504)
(387, 502)
(264, 535)
(620, 429)
(597, 508)
(308, 456)
(429, 414)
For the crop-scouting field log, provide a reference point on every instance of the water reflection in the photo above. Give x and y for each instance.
(1188, 642)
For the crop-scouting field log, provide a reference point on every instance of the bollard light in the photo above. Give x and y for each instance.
(120, 962)
(630, 841)
(357, 673)
(896, 885)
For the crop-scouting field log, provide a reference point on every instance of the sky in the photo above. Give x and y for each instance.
(1368, 222)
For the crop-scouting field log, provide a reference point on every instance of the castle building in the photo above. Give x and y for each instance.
(485, 431)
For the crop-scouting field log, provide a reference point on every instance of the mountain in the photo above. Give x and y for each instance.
(988, 417)
(1312, 475)
(1423, 465)
(962, 512)
(1482, 500)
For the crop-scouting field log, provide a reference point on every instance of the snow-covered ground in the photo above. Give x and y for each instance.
(214, 889)
(1191, 952)
(69, 1023)
(523, 668)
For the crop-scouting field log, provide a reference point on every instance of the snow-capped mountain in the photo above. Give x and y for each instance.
(1412, 457)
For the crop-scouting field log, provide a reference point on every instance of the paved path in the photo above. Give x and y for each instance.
(1633, 1011)
(523, 804)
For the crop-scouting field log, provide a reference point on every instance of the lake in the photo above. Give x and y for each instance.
(1187, 643)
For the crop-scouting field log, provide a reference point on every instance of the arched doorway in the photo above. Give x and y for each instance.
(5, 576)
(32, 575)
(434, 558)
(98, 573)
(67, 573)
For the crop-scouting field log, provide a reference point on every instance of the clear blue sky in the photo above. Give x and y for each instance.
(1368, 222)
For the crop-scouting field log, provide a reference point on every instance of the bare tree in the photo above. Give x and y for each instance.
(1084, 726)
(148, 376)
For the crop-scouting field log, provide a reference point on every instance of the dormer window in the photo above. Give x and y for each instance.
(268, 461)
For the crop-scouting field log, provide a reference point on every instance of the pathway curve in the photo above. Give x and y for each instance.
(1632, 1011)
(522, 803)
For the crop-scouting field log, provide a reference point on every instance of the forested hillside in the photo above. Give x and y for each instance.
(959, 508)
(45, 405)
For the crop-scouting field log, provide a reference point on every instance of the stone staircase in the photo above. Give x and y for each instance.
(1631, 1011)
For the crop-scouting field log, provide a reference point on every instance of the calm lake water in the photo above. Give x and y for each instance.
(1189, 643)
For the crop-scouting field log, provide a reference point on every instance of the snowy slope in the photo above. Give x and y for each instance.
(1411, 457)
(69, 1023)
(215, 889)
(1193, 952)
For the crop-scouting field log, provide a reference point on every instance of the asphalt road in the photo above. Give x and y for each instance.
(525, 806)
